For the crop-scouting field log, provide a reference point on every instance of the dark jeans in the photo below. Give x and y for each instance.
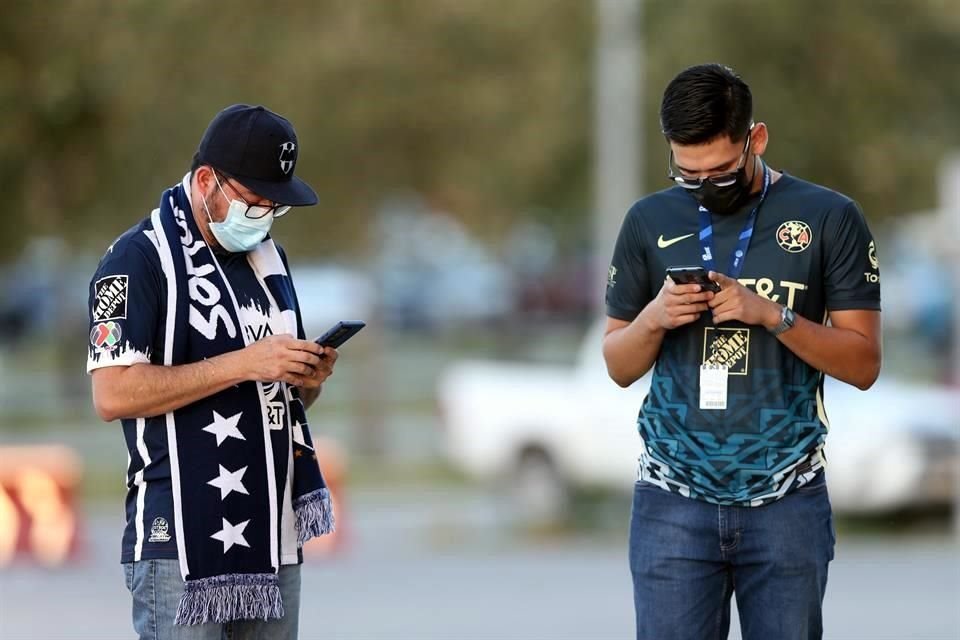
(688, 557)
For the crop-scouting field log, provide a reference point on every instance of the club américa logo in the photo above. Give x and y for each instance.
(106, 336)
(794, 236)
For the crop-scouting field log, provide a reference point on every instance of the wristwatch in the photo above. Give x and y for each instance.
(787, 319)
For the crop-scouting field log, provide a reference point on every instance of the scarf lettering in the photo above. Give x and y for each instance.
(202, 290)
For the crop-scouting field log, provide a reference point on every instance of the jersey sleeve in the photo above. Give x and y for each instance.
(851, 269)
(124, 307)
(628, 286)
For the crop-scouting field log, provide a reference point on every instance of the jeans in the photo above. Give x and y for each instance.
(156, 587)
(688, 557)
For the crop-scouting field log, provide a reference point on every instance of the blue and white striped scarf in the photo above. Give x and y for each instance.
(227, 469)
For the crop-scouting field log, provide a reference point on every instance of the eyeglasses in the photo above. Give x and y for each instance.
(725, 179)
(254, 211)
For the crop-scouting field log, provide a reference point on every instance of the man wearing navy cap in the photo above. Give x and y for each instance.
(197, 346)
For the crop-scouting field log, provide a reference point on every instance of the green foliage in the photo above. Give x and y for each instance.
(860, 95)
(483, 106)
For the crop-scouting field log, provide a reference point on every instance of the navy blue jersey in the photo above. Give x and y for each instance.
(127, 316)
(811, 251)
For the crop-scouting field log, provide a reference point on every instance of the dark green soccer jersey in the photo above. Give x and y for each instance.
(812, 251)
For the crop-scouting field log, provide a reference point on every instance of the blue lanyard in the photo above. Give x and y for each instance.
(743, 243)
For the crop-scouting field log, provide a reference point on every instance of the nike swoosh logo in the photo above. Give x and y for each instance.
(663, 244)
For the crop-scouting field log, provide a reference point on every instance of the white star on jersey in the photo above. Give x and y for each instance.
(230, 534)
(224, 428)
(229, 481)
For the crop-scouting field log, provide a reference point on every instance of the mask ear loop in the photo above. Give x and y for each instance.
(203, 199)
(207, 209)
(756, 161)
(756, 158)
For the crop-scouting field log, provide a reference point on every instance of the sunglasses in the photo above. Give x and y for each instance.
(726, 179)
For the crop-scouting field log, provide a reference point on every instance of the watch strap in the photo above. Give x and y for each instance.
(787, 320)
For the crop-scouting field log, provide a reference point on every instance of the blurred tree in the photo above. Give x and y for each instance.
(480, 105)
(54, 116)
(860, 95)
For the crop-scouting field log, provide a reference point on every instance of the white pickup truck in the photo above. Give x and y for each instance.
(543, 430)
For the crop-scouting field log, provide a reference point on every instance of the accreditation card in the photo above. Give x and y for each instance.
(713, 386)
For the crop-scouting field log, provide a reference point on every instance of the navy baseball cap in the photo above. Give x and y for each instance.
(259, 149)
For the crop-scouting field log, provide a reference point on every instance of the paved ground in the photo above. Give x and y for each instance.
(445, 566)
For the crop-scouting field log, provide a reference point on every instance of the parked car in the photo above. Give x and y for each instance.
(549, 429)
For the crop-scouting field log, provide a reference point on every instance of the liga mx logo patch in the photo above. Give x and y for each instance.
(110, 298)
(288, 156)
(105, 336)
(730, 347)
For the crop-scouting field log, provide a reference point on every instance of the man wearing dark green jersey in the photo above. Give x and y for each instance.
(731, 493)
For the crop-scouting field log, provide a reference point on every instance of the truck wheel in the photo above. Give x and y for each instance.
(540, 495)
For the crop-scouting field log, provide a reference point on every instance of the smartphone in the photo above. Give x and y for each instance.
(340, 333)
(693, 275)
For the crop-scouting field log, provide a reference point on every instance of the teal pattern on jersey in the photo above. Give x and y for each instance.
(693, 453)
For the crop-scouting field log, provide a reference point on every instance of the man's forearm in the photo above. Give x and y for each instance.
(842, 353)
(144, 390)
(630, 351)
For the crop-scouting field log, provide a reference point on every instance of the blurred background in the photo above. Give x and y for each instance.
(474, 161)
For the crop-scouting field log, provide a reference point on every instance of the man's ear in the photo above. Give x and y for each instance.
(759, 138)
(204, 177)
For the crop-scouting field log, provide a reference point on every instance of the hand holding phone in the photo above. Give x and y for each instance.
(340, 333)
(693, 275)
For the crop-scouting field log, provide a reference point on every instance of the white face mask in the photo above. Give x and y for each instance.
(239, 232)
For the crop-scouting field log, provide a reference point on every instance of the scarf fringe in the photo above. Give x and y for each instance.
(235, 596)
(314, 513)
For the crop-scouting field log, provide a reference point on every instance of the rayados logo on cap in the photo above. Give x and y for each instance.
(288, 156)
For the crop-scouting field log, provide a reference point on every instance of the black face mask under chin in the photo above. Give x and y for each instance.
(724, 200)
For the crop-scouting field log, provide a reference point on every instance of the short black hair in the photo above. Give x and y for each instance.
(705, 102)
